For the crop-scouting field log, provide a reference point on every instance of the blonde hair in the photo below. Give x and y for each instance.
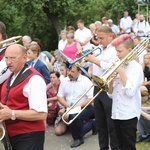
(147, 54)
(34, 48)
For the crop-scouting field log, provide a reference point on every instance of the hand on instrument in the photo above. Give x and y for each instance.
(61, 111)
(5, 112)
(79, 53)
(120, 69)
(90, 57)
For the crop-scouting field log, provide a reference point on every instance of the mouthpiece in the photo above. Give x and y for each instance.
(4, 70)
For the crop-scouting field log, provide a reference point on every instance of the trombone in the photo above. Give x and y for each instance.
(103, 81)
(11, 40)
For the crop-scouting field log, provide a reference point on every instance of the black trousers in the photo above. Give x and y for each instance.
(78, 128)
(29, 141)
(104, 123)
(126, 133)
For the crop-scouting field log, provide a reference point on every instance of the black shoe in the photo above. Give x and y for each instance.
(77, 142)
(94, 129)
(141, 139)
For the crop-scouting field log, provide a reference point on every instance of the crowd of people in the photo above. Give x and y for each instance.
(37, 88)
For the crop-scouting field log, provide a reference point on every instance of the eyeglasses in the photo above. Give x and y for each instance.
(12, 59)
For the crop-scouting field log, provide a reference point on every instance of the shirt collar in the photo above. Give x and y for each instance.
(78, 79)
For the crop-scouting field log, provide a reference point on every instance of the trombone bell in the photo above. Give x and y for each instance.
(100, 82)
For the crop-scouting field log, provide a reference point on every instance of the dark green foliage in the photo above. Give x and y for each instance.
(45, 19)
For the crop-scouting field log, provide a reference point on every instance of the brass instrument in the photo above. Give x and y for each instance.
(2, 131)
(80, 61)
(12, 40)
(103, 81)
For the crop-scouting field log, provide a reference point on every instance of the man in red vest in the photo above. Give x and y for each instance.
(23, 102)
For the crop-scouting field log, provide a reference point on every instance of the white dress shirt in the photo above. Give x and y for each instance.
(71, 91)
(126, 23)
(62, 44)
(35, 91)
(127, 100)
(106, 58)
(144, 26)
(82, 35)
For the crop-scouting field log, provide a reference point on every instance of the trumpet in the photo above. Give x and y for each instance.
(81, 60)
(103, 81)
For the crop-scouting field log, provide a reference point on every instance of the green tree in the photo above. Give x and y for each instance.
(46, 18)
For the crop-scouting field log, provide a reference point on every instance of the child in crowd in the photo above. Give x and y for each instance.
(63, 71)
(33, 51)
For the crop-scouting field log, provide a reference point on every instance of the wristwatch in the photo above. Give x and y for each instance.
(13, 117)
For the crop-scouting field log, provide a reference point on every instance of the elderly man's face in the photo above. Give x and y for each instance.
(15, 58)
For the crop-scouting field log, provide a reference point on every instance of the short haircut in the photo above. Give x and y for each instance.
(104, 18)
(98, 22)
(105, 29)
(34, 48)
(63, 31)
(27, 38)
(78, 69)
(80, 21)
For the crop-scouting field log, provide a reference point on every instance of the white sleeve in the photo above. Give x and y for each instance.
(88, 84)
(60, 90)
(6, 74)
(121, 23)
(134, 80)
(135, 29)
(35, 91)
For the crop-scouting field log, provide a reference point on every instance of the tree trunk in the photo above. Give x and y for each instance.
(54, 19)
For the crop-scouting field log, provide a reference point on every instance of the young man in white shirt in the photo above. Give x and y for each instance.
(102, 103)
(83, 35)
(124, 90)
(126, 24)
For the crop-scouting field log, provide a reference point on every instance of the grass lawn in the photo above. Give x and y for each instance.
(143, 146)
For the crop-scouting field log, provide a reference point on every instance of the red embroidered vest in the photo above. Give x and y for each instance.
(17, 101)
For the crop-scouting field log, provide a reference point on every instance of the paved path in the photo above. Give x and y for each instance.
(53, 142)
